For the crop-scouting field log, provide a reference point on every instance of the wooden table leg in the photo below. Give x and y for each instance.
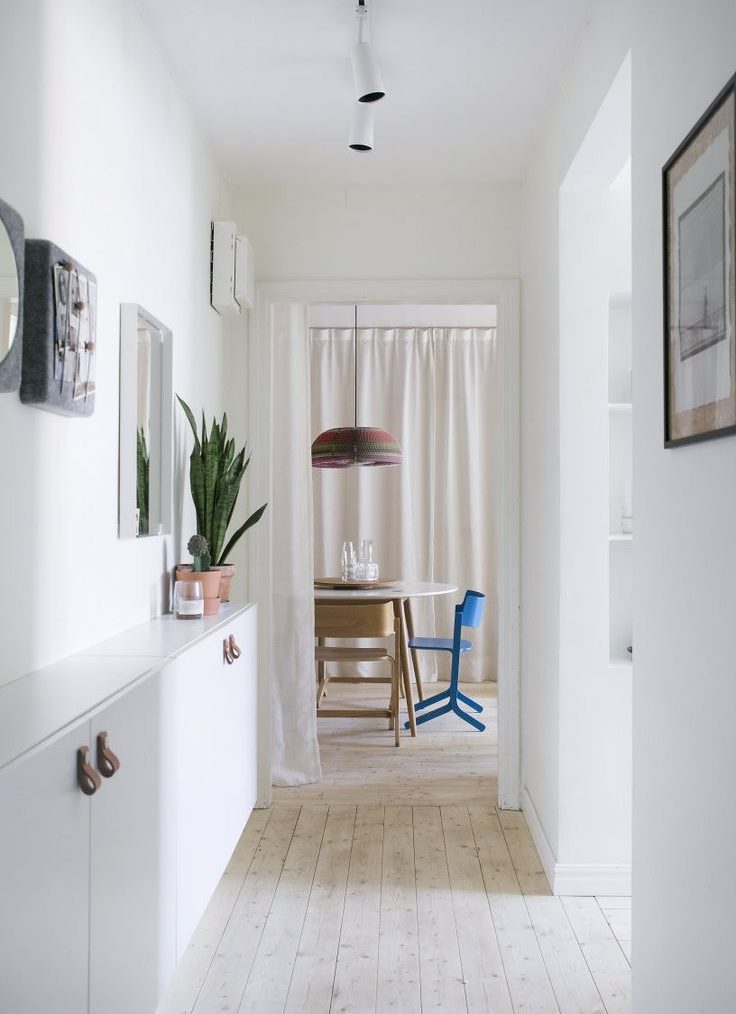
(414, 654)
(405, 675)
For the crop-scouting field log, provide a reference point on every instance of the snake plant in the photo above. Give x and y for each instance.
(143, 467)
(215, 474)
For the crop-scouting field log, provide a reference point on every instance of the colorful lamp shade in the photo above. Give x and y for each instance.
(347, 446)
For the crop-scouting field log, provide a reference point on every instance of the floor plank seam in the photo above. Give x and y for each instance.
(517, 882)
(584, 951)
(298, 809)
(306, 910)
(416, 910)
(454, 911)
(221, 935)
(613, 931)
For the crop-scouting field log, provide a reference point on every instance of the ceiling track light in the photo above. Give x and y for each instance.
(361, 128)
(366, 75)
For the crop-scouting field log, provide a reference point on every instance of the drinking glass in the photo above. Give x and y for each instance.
(348, 561)
(188, 600)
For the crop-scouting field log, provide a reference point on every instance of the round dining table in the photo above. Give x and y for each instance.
(400, 593)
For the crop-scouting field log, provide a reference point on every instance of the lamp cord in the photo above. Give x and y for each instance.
(355, 363)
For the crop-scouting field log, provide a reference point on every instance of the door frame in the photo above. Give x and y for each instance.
(504, 293)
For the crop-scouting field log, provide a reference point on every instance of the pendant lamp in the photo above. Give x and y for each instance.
(346, 446)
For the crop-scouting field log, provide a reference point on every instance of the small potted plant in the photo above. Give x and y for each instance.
(215, 474)
(201, 570)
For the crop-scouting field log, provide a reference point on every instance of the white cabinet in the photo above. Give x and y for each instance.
(90, 880)
(100, 893)
(216, 774)
(133, 856)
(44, 883)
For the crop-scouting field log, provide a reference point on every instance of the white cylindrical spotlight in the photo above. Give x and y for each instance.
(361, 128)
(367, 77)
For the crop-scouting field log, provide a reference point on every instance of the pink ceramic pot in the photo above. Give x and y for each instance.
(210, 585)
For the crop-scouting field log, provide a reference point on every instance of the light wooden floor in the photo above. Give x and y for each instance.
(394, 884)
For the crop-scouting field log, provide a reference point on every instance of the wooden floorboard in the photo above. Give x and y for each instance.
(313, 975)
(395, 884)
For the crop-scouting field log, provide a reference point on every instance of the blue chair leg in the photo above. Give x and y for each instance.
(470, 702)
(429, 715)
(431, 700)
(469, 719)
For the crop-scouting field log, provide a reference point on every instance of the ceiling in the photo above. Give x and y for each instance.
(468, 83)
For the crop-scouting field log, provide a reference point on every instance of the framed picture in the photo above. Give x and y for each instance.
(698, 188)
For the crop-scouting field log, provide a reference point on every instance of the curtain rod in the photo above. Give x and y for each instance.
(395, 327)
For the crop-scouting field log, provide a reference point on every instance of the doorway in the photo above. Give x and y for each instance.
(505, 297)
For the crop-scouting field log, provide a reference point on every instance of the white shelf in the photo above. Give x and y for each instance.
(619, 406)
(620, 662)
(620, 538)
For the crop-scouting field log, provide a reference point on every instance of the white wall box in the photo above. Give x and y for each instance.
(232, 281)
(101, 892)
(245, 274)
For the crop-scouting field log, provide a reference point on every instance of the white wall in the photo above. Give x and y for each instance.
(684, 693)
(100, 155)
(567, 779)
(684, 566)
(382, 232)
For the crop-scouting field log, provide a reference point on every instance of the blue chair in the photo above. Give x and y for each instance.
(468, 613)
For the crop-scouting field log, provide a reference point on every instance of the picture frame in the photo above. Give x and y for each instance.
(699, 248)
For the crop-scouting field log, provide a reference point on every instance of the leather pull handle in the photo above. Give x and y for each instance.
(107, 762)
(87, 778)
(234, 649)
(226, 654)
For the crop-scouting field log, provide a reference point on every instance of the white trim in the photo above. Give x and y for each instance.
(574, 879)
(504, 293)
(592, 879)
(539, 837)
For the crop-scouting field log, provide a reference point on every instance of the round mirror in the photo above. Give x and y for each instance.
(8, 293)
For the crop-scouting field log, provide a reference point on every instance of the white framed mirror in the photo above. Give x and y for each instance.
(12, 258)
(146, 409)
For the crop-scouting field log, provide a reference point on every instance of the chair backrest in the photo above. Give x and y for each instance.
(369, 619)
(471, 609)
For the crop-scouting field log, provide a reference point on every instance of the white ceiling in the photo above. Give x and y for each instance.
(468, 83)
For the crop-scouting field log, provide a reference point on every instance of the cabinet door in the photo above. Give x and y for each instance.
(44, 882)
(216, 762)
(133, 873)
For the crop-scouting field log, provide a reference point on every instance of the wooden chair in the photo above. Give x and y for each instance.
(340, 621)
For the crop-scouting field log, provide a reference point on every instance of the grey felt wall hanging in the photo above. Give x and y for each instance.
(11, 297)
(60, 331)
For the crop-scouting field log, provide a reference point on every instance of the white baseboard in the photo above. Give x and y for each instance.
(574, 879)
(599, 879)
(541, 842)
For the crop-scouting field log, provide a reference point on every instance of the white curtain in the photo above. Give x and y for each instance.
(434, 517)
(295, 752)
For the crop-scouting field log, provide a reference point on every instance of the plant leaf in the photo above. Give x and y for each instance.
(190, 416)
(252, 520)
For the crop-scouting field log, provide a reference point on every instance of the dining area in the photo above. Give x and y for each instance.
(400, 445)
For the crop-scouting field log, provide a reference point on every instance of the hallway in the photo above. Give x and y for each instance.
(395, 884)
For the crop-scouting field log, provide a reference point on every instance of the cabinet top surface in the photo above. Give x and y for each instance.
(42, 704)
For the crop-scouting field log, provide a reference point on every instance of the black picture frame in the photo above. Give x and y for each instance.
(59, 357)
(699, 261)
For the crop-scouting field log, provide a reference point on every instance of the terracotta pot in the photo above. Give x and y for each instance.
(227, 573)
(210, 585)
